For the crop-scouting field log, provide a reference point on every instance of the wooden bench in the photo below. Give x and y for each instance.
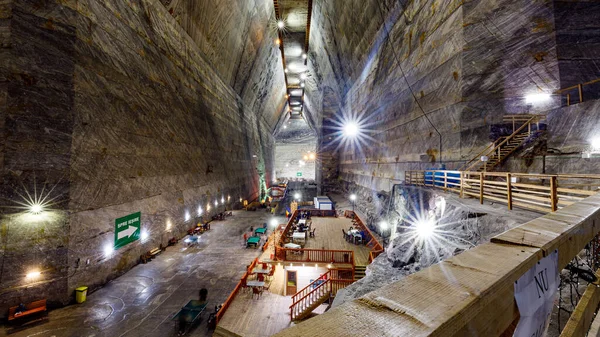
(154, 252)
(150, 254)
(31, 308)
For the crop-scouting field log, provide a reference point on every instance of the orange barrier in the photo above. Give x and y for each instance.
(231, 297)
(373, 243)
(314, 255)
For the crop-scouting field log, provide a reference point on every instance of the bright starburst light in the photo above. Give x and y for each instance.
(351, 133)
(431, 235)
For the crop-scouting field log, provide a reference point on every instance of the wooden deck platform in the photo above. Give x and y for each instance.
(328, 235)
(254, 317)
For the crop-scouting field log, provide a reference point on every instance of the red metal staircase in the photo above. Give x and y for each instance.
(319, 291)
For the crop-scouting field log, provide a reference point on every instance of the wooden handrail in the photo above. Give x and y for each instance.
(323, 277)
(231, 296)
(329, 283)
(481, 284)
(312, 291)
(376, 245)
(560, 91)
(478, 156)
(546, 193)
(328, 255)
(505, 140)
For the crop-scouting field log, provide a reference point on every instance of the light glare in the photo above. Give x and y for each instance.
(350, 129)
(425, 228)
(383, 225)
(536, 98)
(33, 274)
(108, 250)
(36, 209)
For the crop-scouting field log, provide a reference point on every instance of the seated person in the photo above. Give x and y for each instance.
(20, 309)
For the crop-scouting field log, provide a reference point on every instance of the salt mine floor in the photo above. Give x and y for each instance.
(142, 301)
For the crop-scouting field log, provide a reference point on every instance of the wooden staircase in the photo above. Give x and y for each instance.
(503, 147)
(318, 292)
(359, 272)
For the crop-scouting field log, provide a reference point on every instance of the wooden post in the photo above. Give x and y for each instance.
(445, 181)
(529, 129)
(580, 87)
(568, 99)
(462, 184)
(481, 188)
(508, 191)
(513, 118)
(553, 194)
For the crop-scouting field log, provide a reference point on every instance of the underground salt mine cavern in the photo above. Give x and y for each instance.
(186, 167)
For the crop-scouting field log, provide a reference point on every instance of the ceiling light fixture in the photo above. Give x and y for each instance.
(280, 24)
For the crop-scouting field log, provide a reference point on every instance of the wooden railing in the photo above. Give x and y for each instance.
(495, 149)
(314, 255)
(579, 88)
(327, 284)
(237, 288)
(472, 293)
(287, 228)
(270, 240)
(372, 242)
(538, 192)
(335, 273)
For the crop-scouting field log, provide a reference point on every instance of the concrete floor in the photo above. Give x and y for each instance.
(142, 301)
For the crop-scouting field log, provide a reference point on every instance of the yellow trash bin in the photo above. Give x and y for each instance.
(80, 294)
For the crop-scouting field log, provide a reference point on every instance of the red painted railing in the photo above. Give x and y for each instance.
(373, 243)
(289, 225)
(237, 288)
(327, 284)
(314, 255)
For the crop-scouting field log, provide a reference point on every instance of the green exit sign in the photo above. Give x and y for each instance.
(299, 174)
(127, 229)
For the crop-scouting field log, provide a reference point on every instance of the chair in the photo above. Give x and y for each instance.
(270, 275)
(257, 292)
(261, 277)
(312, 234)
(264, 265)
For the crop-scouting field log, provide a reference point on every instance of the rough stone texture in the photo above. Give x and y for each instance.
(113, 107)
(578, 45)
(467, 64)
(571, 131)
(464, 223)
(236, 38)
(292, 143)
(142, 302)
